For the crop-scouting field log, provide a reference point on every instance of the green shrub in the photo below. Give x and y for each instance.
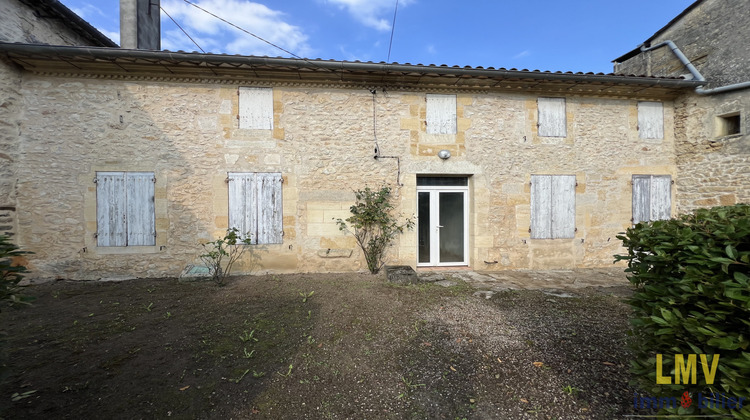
(11, 273)
(221, 254)
(692, 297)
(373, 225)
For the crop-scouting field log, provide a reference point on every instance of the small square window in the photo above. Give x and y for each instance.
(729, 125)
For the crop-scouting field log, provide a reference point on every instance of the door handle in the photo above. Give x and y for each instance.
(439, 226)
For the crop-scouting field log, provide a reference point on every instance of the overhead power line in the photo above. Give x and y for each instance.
(243, 30)
(393, 29)
(183, 31)
(257, 37)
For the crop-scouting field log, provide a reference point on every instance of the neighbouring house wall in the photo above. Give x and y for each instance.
(323, 145)
(713, 168)
(11, 106)
(713, 36)
(22, 24)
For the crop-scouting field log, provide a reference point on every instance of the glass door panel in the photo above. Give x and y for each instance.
(424, 227)
(451, 227)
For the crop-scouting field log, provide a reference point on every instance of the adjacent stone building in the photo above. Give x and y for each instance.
(30, 22)
(709, 41)
(126, 160)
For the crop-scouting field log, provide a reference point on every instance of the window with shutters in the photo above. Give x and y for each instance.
(652, 198)
(650, 120)
(256, 108)
(553, 206)
(255, 206)
(551, 117)
(125, 209)
(441, 114)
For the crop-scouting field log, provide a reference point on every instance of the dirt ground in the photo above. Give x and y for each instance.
(314, 346)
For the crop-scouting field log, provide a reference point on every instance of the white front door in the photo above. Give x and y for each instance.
(442, 223)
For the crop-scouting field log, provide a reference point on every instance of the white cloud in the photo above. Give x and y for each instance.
(216, 36)
(87, 12)
(377, 14)
(522, 54)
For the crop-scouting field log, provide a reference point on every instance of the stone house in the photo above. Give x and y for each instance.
(127, 159)
(708, 41)
(38, 22)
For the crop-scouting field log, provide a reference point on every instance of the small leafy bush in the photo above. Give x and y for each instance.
(373, 224)
(11, 273)
(221, 254)
(692, 278)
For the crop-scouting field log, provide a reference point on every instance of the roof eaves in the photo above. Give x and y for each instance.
(116, 55)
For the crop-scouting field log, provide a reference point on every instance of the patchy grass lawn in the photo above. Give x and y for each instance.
(357, 347)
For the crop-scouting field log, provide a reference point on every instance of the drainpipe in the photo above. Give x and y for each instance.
(694, 71)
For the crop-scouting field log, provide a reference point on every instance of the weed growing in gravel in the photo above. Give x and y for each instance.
(247, 355)
(410, 386)
(306, 296)
(571, 390)
(288, 372)
(248, 336)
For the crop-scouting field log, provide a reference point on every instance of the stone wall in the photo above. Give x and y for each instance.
(714, 169)
(10, 121)
(713, 166)
(21, 24)
(712, 36)
(323, 144)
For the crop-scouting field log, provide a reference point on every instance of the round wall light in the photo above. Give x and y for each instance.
(444, 154)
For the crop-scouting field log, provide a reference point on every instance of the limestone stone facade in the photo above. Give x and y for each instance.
(332, 128)
(322, 142)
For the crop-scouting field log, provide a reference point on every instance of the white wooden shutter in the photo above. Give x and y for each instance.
(269, 208)
(541, 206)
(553, 206)
(552, 121)
(650, 120)
(652, 197)
(110, 209)
(441, 114)
(563, 206)
(256, 108)
(140, 208)
(242, 198)
(641, 198)
(661, 197)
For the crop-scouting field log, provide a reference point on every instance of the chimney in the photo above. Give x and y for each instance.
(140, 26)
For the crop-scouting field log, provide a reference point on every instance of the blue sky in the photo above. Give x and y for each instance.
(573, 35)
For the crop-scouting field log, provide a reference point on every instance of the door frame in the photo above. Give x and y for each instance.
(435, 215)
